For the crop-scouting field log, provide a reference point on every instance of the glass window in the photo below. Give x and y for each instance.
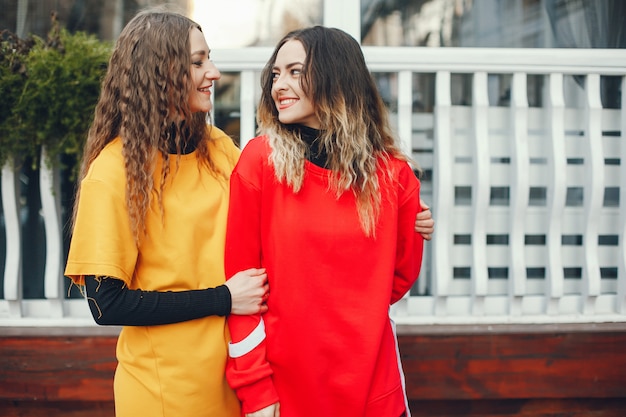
(494, 23)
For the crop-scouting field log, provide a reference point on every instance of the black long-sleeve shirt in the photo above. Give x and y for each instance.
(112, 303)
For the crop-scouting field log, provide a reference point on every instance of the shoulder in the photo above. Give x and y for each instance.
(254, 161)
(256, 151)
(398, 167)
(402, 173)
(220, 140)
(217, 135)
(106, 176)
(223, 151)
(258, 145)
(109, 164)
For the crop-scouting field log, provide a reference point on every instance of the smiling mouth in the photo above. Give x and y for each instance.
(205, 89)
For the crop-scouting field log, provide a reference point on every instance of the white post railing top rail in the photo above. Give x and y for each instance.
(456, 60)
(497, 60)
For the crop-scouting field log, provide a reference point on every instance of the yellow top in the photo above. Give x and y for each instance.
(177, 369)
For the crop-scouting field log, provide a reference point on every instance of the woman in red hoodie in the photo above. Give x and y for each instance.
(325, 200)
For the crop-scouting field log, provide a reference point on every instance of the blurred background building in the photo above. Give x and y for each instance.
(433, 23)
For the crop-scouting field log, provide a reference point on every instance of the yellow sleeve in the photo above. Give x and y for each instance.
(102, 241)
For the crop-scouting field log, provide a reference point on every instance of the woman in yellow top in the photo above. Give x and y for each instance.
(150, 220)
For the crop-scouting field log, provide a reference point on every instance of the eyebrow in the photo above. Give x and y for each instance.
(201, 52)
(290, 65)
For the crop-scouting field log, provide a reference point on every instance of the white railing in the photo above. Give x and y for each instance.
(529, 200)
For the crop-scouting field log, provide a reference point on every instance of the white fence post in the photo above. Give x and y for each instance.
(621, 274)
(248, 106)
(405, 110)
(13, 230)
(481, 163)
(519, 191)
(49, 189)
(593, 193)
(443, 192)
(556, 192)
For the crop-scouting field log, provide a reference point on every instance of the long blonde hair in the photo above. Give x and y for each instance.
(144, 101)
(355, 130)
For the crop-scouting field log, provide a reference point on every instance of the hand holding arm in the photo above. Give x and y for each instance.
(424, 223)
(248, 290)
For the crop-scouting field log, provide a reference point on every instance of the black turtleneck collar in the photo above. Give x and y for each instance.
(310, 136)
(187, 146)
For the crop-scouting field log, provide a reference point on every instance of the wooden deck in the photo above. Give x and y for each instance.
(529, 370)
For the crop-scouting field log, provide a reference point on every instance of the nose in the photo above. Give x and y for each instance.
(212, 72)
(279, 83)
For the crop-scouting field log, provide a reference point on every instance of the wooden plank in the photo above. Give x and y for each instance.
(520, 408)
(475, 408)
(515, 366)
(57, 368)
(510, 370)
(56, 408)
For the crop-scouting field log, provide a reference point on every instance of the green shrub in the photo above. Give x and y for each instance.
(63, 76)
(13, 53)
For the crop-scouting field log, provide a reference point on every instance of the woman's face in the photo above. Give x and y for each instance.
(293, 105)
(203, 73)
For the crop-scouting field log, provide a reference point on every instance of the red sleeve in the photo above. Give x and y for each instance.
(249, 374)
(410, 244)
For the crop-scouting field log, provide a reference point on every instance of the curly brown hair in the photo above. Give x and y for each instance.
(144, 100)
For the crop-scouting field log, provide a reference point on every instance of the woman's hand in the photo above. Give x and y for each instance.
(424, 223)
(248, 291)
(269, 411)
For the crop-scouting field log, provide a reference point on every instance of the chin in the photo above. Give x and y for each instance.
(286, 120)
(204, 109)
(201, 106)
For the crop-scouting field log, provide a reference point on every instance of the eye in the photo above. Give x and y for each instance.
(275, 76)
(296, 71)
(198, 60)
